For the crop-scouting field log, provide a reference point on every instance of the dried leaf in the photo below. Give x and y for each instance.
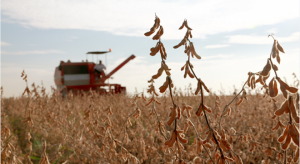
(252, 83)
(238, 160)
(181, 27)
(159, 33)
(178, 112)
(283, 135)
(284, 108)
(294, 132)
(164, 51)
(172, 116)
(293, 112)
(297, 155)
(275, 67)
(286, 143)
(276, 127)
(283, 87)
(23, 73)
(275, 51)
(181, 139)
(241, 100)
(275, 88)
(292, 89)
(149, 102)
(278, 58)
(186, 25)
(159, 73)
(264, 78)
(149, 33)
(187, 70)
(194, 51)
(172, 140)
(267, 68)
(182, 68)
(207, 108)
(271, 88)
(163, 88)
(154, 27)
(190, 34)
(155, 49)
(249, 77)
(190, 74)
(183, 42)
(202, 83)
(200, 111)
(260, 80)
(252, 146)
(280, 48)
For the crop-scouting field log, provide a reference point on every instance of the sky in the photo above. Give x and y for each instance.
(231, 37)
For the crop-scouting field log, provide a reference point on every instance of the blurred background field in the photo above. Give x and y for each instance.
(76, 129)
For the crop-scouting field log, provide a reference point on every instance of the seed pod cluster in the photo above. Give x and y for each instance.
(153, 99)
(279, 124)
(108, 110)
(189, 48)
(186, 67)
(262, 79)
(160, 125)
(175, 113)
(199, 84)
(296, 158)
(273, 89)
(151, 88)
(186, 125)
(267, 69)
(186, 108)
(291, 133)
(286, 108)
(154, 50)
(163, 67)
(184, 24)
(243, 97)
(176, 135)
(251, 80)
(154, 27)
(159, 33)
(285, 87)
(275, 50)
(168, 82)
(161, 48)
(137, 113)
(201, 108)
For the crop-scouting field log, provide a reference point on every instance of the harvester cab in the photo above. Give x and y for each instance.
(81, 76)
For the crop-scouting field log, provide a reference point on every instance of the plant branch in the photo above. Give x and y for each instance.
(200, 140)
(121, 144)
(265, 146)
(126, 121)
(273, 66)
(158, 121)
(169, 78)
(206, 119)
(230, 103)
(290, 100)
(212, 131)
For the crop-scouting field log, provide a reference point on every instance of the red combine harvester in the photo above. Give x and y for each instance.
(80, 76)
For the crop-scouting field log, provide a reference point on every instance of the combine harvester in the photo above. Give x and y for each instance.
(80, 76)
